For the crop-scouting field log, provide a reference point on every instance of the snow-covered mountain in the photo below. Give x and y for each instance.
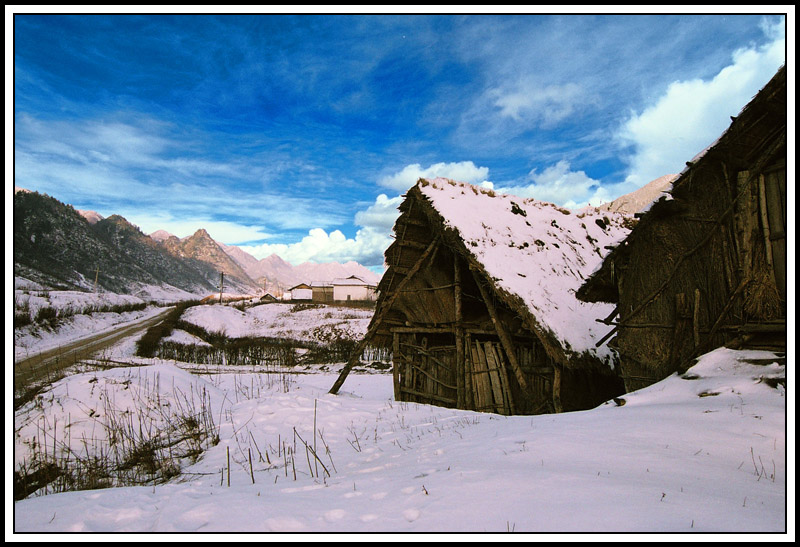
(280, 274)
(161, 235)
(641, 199)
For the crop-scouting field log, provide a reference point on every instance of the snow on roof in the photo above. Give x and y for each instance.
(536, 251)
(354, 281)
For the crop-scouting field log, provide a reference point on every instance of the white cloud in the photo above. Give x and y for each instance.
(226, 232)
(560, 185)
(531, 104)
(692, 114)
(463, 171)
(367, 247)
(320, 246)
(380, 215)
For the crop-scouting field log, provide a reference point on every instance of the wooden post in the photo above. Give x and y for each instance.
(696, 318)
(557, 388)
(459, 334)
(762, 200)
(493, 367)
(221, 275)
(96, 274)
(376, 320)
(505, 339)
(480, 378)
(504, 379)
(469, 373)
(396, 364)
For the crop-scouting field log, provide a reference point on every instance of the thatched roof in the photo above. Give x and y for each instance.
(534, 255)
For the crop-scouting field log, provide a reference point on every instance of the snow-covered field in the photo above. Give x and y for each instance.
(701, 453)
(35, 338)
(278, 320)
(705, 453)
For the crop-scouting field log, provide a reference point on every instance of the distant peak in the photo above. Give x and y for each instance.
(161, 235)
(201, 234)
(93, 217)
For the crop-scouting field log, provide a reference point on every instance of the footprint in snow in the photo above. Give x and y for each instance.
(334, 515)
(411, 514)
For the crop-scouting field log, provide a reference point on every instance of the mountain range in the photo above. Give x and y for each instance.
(61, 247)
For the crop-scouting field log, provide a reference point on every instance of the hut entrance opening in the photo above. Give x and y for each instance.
(425, 367)
(430, 368)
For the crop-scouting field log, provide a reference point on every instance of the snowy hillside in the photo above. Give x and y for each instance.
(701, 453)
(280, 321)
(80, 314)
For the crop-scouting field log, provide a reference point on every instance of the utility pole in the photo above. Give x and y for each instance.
(96, 274)
(221, 276)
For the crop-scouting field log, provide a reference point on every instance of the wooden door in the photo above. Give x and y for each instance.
(774, 196)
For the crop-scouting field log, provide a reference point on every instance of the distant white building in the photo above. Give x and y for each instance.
(353, 288)
(300, 292)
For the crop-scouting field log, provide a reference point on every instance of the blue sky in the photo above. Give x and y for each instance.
(297, 134)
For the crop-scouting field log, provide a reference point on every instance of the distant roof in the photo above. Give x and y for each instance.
(300, 286)
(354, 281)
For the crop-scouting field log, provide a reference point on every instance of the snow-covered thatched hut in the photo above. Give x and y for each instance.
(478, 302)
(706, 266)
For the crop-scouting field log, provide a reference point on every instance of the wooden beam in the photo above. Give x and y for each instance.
(501, 333)
(430, 396)
(506, 385)
(459, 333)
(557, 389)
(411, 244)
(762, 202)
(423, 289)
(469, 370)
(422, 330)
(432, 377)
(387, 305)
(426, 353)
(406, 221)
(494, 377)
(696, 318)
(396, 364)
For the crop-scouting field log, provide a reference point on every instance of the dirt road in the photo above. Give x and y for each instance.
(45, 366)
